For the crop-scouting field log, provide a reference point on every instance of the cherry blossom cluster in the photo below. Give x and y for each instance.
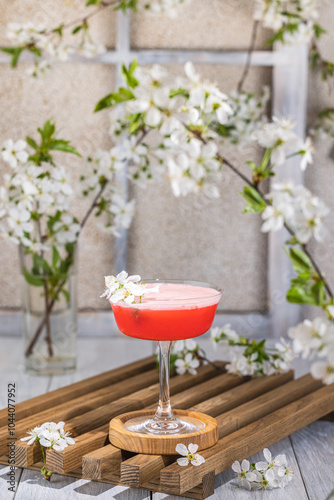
(43, 42)
(248, 115)
(296, 206)
(174, 126)
(98, 178)
(51, 436)
(31, 193)
(35, 202)
(293, 20)
(266, 475)
(250, 357)
(324, 125)
(126, 288)
(316, 338)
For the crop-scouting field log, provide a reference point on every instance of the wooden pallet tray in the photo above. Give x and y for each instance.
(251, 415)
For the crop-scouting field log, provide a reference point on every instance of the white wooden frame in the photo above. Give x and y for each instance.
(290, 71)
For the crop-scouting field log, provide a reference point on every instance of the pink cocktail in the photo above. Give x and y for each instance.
(180, 310)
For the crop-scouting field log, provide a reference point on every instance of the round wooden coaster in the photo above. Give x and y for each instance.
(152, 444)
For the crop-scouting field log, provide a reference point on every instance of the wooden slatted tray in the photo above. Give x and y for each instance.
(251, 415)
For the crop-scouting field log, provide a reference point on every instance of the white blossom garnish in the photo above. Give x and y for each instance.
(126, 288)
(266, 475)
(189, 455)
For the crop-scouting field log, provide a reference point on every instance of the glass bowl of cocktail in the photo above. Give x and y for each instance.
(166, 311)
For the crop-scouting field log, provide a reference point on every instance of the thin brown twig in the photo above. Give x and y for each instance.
(46, 296)
(84, 19)
(203, 358)
(249, 56)
(44, 319)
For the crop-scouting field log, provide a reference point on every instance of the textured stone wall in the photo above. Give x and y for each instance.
(194, 238)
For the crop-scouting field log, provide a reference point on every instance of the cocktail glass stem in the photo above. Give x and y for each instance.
(164, 411)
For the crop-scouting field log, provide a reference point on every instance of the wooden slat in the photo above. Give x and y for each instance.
(243, 393)
(139, 469)
(207, 389)
(58, 461)
(202, 490)
(69, 392)
(79, 406)
(251, 439)
(100, 417)
(259, 407)
(26, 454)
(135, 401)
(99, 461)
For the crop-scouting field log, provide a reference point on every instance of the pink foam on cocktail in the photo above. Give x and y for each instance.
(177, 311)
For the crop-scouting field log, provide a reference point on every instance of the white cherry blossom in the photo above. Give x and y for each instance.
(188, 364)
(244, 474)
(309, 337)
(324, 370)
(32, 435)
(14, 153)
(189, 455)
(19, 220)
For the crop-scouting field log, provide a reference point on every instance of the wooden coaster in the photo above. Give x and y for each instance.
(152, 444)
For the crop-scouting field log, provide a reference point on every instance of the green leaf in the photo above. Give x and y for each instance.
(114, 98)
(55, 256)
(265, 159)
(298, 295)
(180, 91)
(59, 30)
(76, 29)
(31, 279)
(256, 203)
(47, 131)
(128, 74)
(32, 143)
(66, 295)
(318, 30)
(65, 146)
(318, 292)
(126, 4)
(15, 52)
(300, 260)
(93, 2)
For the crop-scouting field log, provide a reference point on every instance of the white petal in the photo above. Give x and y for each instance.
(198, 460)
(183, 461)
(193, 448)
(181, 449)
(261, 465)
(267, 454)
(245, 465)
(236, 467)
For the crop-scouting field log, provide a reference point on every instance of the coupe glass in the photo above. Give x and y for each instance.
(180, 310)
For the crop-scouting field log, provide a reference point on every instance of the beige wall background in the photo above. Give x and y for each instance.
(195, 237)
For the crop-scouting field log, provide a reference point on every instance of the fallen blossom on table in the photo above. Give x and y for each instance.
(189, 455)
(51, 436)
(265, 475)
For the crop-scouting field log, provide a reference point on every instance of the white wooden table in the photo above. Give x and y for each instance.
(310, 451)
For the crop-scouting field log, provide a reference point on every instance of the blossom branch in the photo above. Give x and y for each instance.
(254, 185)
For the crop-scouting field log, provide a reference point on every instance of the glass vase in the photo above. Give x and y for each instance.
(49, 302)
